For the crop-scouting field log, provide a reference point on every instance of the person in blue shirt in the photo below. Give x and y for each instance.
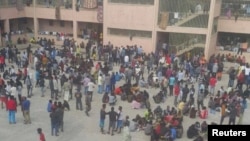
(117, 76)
(173, 132)
(26, 110)
(171, 84)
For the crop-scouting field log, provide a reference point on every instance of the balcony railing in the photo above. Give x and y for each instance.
(7, 3)
(189, 19)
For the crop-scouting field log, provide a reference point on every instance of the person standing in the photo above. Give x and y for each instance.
(113, 82)
(102, 118)
(78, 96)
(91, 87)
(112, 120)
(55, 87)
(12, 108)
(200, 99)
(26, 110)
(71, 87)
(176, 93)
(60, 112)
(88, 103)
(171, 84)
(223, 112)
(232, 115)
(54, 122)
(107, 83)
(41, 135)
(185, 92)
(100, 84)
(212, 84)
(19, 87)
(28, 83)
(42, 85)
(51, 86)
(119, 120)
(66, 90)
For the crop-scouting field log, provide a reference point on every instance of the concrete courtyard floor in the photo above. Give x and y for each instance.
(77, 126)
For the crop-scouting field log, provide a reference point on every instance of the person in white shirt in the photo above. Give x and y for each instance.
(35, 61)
(100, 84)
(55, 87)
(91, 87)
(180, 75)
(13, 91)
(119, 120)
(126, 60)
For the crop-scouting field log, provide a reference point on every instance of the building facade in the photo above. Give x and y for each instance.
(180, 25)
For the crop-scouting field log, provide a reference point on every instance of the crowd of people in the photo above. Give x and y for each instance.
(68, 74)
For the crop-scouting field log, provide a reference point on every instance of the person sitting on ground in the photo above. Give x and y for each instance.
(118, 91)
(193, 112)
(186, 109)
(105, 98)
(66, 105)
(158, 111)
(203, 113)
(135, 104)
(149, 127)
(149, 115)
(159, 97)
(204, 127)
(133, 125)
(143, 83)
(179, 116)
(192, 131)
(134, 88)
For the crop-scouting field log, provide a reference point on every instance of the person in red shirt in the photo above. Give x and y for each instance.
(2, 62)
(176, 93)
(118, 91)
(212, 83)
(204, 113)
(240, 80)
(11, 107)
(41, 135)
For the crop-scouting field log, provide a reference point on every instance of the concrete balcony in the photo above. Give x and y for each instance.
(188, 30)
(43, 12)
(12, 13)
(230, 25)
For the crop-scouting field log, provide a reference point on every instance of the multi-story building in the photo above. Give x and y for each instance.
(180, 25)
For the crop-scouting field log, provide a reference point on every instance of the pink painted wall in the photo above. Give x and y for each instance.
(140, 17)
(229, 25)
(66, 14)
(217, 9)
(10, 13)
(132, 17)
(44, 26)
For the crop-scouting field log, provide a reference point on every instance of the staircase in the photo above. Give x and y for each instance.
(183, 19)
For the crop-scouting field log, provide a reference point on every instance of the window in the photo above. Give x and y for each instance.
(129, 33)
(145, 2)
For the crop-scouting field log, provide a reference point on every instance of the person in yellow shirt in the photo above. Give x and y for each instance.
(78, 50)
(181, 105)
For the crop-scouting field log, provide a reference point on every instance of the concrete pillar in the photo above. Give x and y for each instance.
(207, 51)
(75, 29)
(154, 31)
(7, 25)
(36, 27)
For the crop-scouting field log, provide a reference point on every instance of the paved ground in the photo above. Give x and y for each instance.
(80, 127)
